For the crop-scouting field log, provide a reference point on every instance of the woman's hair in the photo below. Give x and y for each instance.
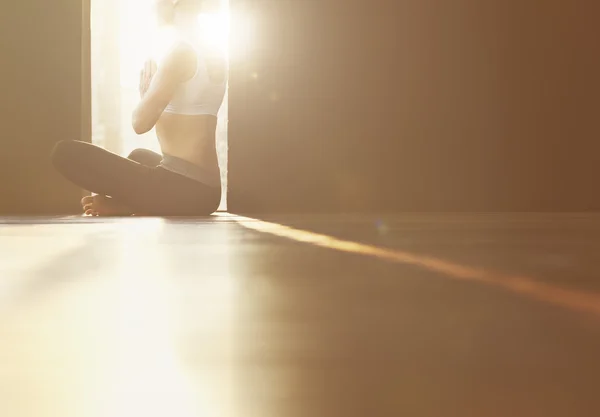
(188, 6)
(166, 9)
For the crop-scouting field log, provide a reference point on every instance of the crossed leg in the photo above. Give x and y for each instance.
(125, 186)
(113, 178)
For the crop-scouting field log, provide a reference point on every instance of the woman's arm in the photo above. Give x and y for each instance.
(178, 67)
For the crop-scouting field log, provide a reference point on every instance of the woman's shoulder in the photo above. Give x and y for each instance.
(182, 58)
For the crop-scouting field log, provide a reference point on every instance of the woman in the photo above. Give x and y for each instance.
(181, 97)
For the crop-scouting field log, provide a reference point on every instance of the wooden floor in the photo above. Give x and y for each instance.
(307, 316)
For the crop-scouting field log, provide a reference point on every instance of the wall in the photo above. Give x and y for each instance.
(44, 100)
(414, 105)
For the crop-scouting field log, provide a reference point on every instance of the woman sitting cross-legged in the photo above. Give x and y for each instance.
(180, 97)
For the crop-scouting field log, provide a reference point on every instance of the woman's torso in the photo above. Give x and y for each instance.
(186, 129)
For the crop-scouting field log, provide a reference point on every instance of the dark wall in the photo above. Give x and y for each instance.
(415, 105)
(44, 68)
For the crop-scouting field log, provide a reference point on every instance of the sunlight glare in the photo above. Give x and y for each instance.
(140, 37)
(214, 30)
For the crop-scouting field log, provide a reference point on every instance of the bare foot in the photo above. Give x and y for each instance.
(100, 205)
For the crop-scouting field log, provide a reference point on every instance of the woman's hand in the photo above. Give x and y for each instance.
(146, 76)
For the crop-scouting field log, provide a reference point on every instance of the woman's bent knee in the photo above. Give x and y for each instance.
(145, 157)
(136, 154)
(66, 155)
(61, 153)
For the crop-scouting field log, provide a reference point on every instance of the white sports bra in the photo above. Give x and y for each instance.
(199, 95)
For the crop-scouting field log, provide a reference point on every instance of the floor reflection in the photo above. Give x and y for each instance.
(229, 316)
(128, 339)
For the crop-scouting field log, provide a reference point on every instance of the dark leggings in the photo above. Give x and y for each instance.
(137, 182)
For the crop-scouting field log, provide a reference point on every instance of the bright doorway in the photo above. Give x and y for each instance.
(123, 36)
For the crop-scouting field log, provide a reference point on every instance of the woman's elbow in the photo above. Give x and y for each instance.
(139, 127)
